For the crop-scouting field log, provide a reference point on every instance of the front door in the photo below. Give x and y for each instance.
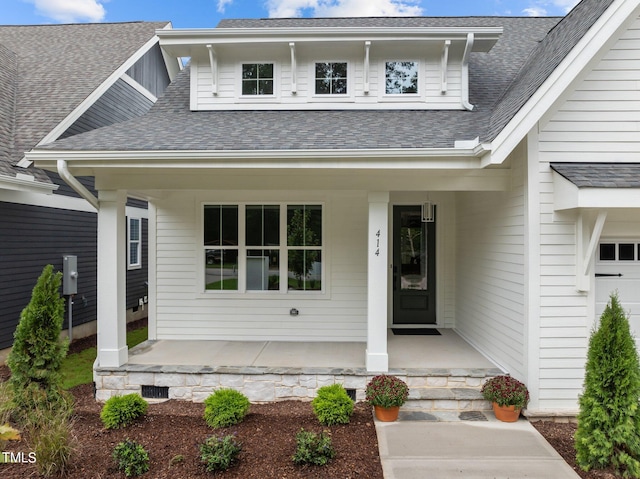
(414, 272)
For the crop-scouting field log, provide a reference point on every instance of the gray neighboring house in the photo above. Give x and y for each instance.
(57, 81)
(316, 184)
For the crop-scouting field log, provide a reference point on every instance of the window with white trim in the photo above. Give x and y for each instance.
(263, 247)
(331, 78)
(257, 79)
(134, 243)
(622, 251)
(401, 77)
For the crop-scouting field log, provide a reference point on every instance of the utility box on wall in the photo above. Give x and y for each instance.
(69, 275)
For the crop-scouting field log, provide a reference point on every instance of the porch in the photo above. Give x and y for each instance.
(443, 371)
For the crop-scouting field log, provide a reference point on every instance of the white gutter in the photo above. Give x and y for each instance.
(22, 182)
(79, 188)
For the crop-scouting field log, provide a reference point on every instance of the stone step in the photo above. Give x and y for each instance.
(446, 399)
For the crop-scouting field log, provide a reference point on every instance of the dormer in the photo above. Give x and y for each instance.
(329, 67)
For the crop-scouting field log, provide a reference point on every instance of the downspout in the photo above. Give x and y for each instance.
(78, 187)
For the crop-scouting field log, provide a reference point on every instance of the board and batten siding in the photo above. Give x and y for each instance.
(229, 78)
(597, 121)
(490, 271)
(185, 311)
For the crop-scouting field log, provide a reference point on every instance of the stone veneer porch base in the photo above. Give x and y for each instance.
(432, 389)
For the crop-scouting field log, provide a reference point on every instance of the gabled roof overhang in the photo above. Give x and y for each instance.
(26, 183)
(186, 42)
(588, 50)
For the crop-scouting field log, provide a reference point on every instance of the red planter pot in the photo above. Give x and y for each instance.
(506, 413)
(386, 414)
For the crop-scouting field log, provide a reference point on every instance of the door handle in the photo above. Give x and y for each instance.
(608, 275)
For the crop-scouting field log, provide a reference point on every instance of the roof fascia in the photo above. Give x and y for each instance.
(617, 16)
(398, 158)
(179, 41)
(98, 92)
(26, 183)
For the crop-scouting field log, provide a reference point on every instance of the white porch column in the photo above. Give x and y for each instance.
(112, 327)
(377, 279)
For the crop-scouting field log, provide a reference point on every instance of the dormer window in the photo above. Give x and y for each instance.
(401, 77)
(257, 78)
(331, 78)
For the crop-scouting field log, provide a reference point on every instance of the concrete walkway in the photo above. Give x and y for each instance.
(467, 449)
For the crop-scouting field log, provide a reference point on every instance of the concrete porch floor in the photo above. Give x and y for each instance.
(447, 351)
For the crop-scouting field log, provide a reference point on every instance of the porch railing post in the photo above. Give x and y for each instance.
(377, 279)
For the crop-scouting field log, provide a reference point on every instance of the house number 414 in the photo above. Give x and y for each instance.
(377, 253)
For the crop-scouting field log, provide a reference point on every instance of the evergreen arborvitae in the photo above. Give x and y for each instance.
(37, 352)
(608, 431)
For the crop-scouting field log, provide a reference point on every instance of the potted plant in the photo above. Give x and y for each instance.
(508, 396)
(386, 394)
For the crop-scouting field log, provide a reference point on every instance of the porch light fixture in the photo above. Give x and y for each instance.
(428, 212)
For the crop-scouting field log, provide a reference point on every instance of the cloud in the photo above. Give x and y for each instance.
(343, 8)
(222, 5)
(70, 11)
(535, 12)
(540, 8)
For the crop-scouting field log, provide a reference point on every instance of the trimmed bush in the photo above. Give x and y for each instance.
(37, 353)
(608, 431)
(312, 448)
(332, 405)
(219, 453)
(131, 458)
(225, 407)
(120, 411)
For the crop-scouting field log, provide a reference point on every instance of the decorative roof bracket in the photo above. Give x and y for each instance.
(465, 72)
(367, 66)
(213, 62)
(294, 76)
(444, 65)
(584, 257)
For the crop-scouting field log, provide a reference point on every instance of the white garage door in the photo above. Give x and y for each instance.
(618, 269)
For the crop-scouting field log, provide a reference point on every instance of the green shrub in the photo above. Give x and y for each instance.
(225, 407)
(49, 435)
(608, 431)
(332, 405)
(131, 458)
(312, 448)
(120, 411)
(219, 453)
(37, 352)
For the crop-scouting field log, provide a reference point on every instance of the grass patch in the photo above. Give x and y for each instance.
(77, 368)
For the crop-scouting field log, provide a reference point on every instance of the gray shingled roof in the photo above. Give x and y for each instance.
(600, 175)
(170, 125)
(8, 79)
(501, 81)
(55, 68)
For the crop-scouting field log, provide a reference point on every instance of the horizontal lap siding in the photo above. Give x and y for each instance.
(490, 272)
(183, 312)
(599, 121)
(33, 237)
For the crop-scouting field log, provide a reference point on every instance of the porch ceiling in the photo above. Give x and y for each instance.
(447, 351)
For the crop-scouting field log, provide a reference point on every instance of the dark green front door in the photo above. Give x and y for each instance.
(414, 273)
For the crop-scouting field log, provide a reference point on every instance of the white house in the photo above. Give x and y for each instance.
(322, 181)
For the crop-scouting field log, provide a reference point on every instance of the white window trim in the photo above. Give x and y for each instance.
(242, 254)
(401, 97)
(332, 98)
(130, 242)
(258, 98)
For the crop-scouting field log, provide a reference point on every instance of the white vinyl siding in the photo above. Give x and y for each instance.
(184, 311)
(490, 271)
(228, 82)
(597, 121)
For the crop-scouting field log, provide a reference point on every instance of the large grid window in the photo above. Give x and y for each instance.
(263, 247)
(331, 78)
(401, 78)
(257, 78)
(134, 243)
